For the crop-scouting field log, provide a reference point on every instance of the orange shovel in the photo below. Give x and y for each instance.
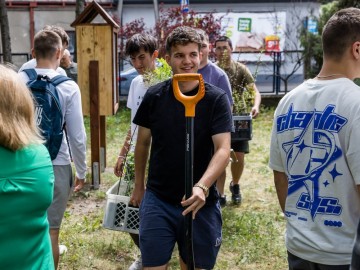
(190, 103)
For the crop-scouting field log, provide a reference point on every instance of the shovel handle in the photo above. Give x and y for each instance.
(188, 101)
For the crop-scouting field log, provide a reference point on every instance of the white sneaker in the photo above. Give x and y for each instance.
(62, 249)
(137, 264)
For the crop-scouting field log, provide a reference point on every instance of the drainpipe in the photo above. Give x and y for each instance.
(156, 10)
(32, 22)
(120, 8)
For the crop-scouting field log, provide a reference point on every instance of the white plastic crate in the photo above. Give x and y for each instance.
(119, 215)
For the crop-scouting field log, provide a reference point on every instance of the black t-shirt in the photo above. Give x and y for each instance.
(165, 117)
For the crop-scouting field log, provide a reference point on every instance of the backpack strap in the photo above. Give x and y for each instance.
(31, 74)
(56, 81)
(59, 79)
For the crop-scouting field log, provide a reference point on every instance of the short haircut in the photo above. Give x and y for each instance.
(141, 41)
(226, 39)
(17, 121)
(182, 35)
(203, 35)
(60, 31)
(66, 52)
(340, 32)
(46, 43)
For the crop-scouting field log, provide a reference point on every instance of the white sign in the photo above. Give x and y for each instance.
(255, 32)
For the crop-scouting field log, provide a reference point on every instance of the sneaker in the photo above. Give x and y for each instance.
(222, 200)
(137, 264)
(62, 249)
(235, 193)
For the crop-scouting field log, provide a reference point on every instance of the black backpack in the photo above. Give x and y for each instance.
(48, 114)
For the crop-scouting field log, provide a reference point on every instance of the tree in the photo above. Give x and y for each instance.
(80, 5)
(128, 30)
(348, 3)
(5, 32)
(173, 17)
(312, 43)
(169, 19)
(291, 59)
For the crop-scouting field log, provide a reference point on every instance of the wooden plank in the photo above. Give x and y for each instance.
(103, 51)
(85, 53)
(103, 136)
(115, 64)
(95, 42)
(94, 118)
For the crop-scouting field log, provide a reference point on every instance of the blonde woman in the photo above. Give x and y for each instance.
(26, 181)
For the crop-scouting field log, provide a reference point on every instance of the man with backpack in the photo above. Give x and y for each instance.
(65, 43)
(48, 52)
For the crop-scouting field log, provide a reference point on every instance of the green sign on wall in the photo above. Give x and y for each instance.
(244, 25)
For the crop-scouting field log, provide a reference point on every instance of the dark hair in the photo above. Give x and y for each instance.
(226, 39)
(60, 31)
(141, 41)
(182, 35)
(340, 32)
(46, 43)
(202, 34)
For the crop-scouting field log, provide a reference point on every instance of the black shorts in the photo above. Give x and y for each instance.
(296, 263)
(240, 146)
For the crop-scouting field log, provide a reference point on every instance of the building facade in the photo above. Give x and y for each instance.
(26, 17)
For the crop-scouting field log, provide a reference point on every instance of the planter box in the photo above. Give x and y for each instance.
(242, 128)
(119, 215)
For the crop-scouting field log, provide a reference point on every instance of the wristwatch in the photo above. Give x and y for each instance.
(203, 187)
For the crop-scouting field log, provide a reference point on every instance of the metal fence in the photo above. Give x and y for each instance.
(18, 59)
(275, 72)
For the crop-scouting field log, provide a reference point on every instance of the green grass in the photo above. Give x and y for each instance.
(252, 233)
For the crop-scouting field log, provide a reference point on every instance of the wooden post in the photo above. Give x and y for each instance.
(102, 142)
(94, 122)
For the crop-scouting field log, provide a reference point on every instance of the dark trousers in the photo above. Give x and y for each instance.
(296, 263)
(135, 238)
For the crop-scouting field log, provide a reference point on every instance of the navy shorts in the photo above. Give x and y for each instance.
(162, 225)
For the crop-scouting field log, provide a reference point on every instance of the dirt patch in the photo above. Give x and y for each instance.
(88, 201)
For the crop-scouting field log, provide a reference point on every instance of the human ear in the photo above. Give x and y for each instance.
(58, 54)
(356, 50)
(155, 54)
(167, 58)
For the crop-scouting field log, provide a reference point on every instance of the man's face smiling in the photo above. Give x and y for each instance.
(184, 58)
(143, 61)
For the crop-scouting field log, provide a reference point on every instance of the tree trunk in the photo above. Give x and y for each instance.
(80, 5)
(5, 33)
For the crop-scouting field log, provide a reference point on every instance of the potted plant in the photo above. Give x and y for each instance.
(242, 120)
(161, 73)
(243, 98)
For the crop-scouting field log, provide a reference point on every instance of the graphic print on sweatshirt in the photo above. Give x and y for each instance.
(311, 157)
